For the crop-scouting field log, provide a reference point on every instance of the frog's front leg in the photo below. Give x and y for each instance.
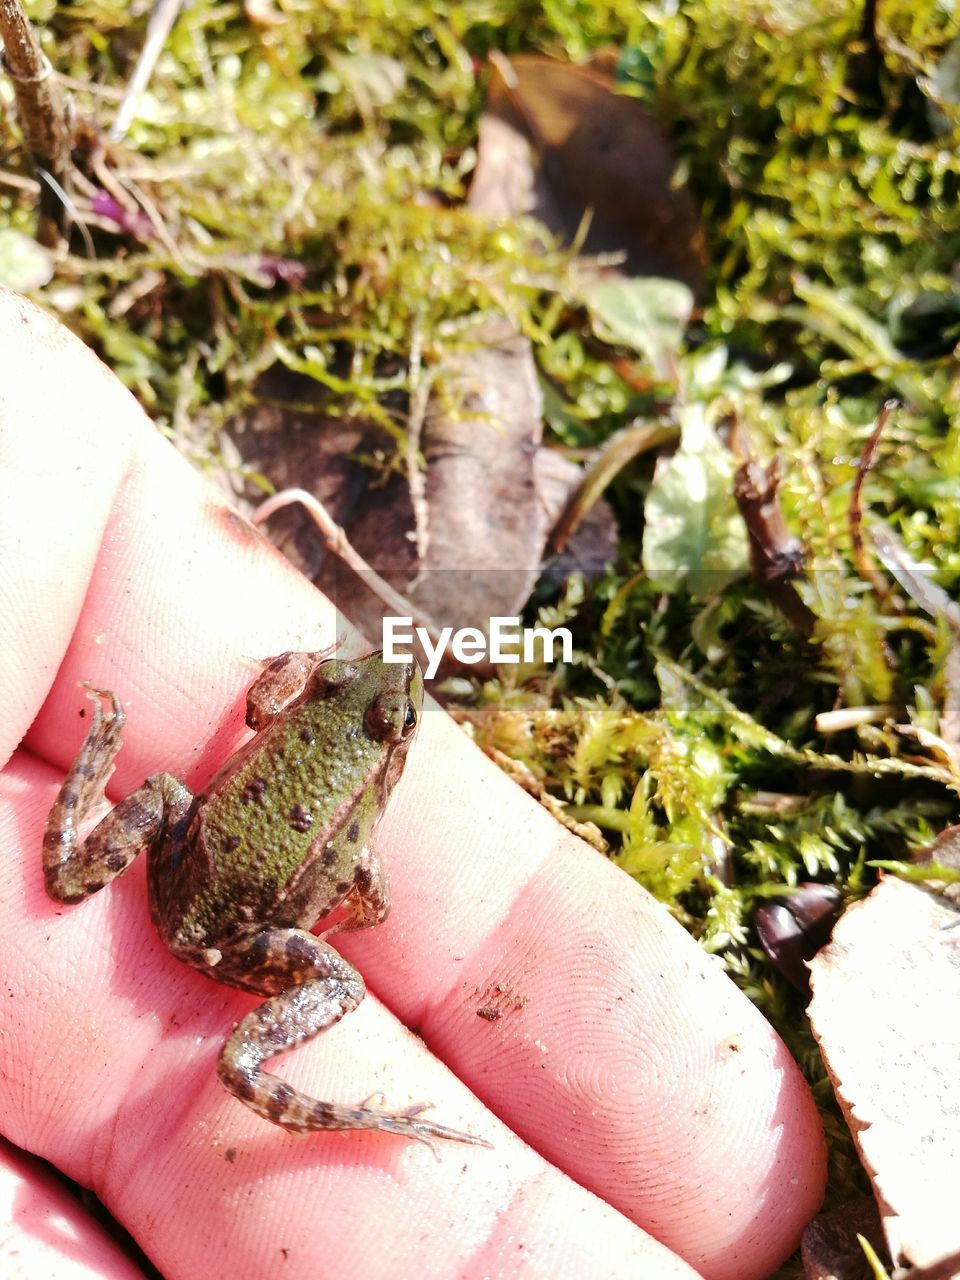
(310, 987)
(368, 902)
(73, 870)
(282, 679)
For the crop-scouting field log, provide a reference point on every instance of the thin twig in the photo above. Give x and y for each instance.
(339, 544)
(108, 92)
(19, 183)
(776, 555)
(45, 118)
(844, 718)
(620, 449)
(162, 18)
(868, 457)
(416, 480)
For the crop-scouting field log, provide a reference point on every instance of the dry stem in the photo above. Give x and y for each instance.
(45, 118)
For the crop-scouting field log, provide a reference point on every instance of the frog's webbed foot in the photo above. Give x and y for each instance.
(72, 870)
(407, 1124)
(315, 987)
(93, 765)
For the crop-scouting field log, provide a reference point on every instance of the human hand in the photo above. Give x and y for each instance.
(652, 1094)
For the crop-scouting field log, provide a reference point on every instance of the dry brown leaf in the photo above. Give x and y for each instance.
(950, 716)
(559, 142)
(830, 1248)
(491, 492)
(886, 1013)
(504, 180)
(943, 852)
(484, 525)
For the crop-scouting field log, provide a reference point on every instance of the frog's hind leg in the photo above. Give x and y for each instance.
(310, 987)
(73, 869)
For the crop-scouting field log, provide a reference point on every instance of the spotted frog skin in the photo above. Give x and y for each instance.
(238, 874)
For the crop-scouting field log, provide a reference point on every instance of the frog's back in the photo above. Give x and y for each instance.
(275, 836)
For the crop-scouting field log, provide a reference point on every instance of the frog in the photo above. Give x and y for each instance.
(278, 840)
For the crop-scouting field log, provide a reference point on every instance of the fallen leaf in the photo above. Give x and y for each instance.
(491, 492)
(596, 161)
(916, 579)
(504, 179)
(886, 1014)
(484, 524)
(830, 1248)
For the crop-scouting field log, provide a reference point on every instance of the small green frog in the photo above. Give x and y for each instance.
(238, 874)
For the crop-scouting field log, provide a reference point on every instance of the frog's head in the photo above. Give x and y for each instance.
(393, 712)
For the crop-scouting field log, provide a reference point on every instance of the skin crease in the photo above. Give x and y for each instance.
(34, 1207)
(651, 1093)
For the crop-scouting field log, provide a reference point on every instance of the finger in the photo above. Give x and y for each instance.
(575, 1006)
(44, 1230)
(109, 1071)
(484, 886)
(169, 578)
(53, 506)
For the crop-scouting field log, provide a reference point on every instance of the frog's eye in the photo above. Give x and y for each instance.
(390, 718)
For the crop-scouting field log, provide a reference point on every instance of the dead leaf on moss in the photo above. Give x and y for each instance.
(886, 1014)
(950, 716)
(943, 852)
(491, 492)
(557, 141)
(830, 1248)
(484, 524)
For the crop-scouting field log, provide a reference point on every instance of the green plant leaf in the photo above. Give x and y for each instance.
(694, 535)
(24, 264)
(649, 315)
